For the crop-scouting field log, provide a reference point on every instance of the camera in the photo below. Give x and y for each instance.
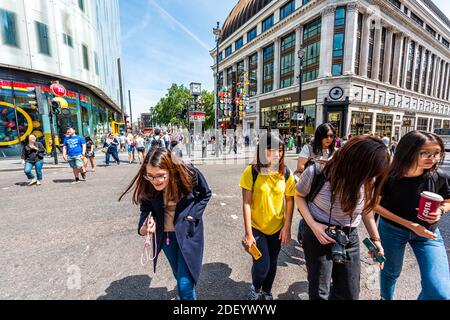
(338, 253)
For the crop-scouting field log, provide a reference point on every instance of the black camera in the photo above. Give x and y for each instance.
(338, 253)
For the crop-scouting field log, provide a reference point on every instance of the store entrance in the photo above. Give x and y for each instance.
(335, 119)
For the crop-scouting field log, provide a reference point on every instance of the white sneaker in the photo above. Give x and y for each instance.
(253, 295)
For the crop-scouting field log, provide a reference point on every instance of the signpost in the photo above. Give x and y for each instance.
(58, 90)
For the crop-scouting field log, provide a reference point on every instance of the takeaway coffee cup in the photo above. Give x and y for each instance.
(429, 202)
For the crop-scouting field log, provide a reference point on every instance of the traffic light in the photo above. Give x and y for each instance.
(56, 107)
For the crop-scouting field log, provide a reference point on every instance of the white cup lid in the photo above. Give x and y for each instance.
(432, 196)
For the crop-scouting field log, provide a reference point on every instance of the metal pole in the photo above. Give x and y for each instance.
(52, 129)
(131, 114)
(299, 106)
(121, 90)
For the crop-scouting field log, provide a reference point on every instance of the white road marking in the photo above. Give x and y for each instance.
(223, 204)
(233, 216)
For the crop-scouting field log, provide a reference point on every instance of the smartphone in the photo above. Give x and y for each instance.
(254, 251)
(371, 246)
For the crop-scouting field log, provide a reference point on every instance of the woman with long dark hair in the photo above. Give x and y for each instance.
(415, 169)
(268, 188)
(33, 156)
(351, 181)
(172, 198)
(90, 154)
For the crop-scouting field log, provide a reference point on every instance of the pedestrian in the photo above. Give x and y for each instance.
(140, 146)
(291, 142)
(320, 151)
(332, 209)
(157, 141)
(33, 153)
(130, 146)
(415, 168)
(266, 187)
(386, 141)
(166, 140)
(175, 148)
(123, 142)
(111, 145)
(172, 198)
(73, 152)
(393, 145)
(90, 154)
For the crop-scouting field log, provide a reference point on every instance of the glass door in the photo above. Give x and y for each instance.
(335, 119)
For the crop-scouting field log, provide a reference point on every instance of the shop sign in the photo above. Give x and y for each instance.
(58, 90)
(408, 113)
(251, 108)
(197, 116)
(406, 123)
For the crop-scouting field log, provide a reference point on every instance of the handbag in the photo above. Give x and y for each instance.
(104, 149)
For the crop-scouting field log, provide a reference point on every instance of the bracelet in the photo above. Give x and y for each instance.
(442, 208)
(374, 239)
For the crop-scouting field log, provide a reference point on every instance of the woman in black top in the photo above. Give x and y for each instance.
(415, 169)
(33, 156)
(89, 153)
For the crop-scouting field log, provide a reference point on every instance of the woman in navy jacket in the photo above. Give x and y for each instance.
(172, 198)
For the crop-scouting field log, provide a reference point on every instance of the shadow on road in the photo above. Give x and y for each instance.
(63, 180)
(136, 288)
(292, 253)
(215, 284)
(21, 184)
(296, 291)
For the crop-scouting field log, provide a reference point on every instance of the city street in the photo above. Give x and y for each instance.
(65, 241)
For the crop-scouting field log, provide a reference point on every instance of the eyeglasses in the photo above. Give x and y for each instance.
(161, 178)
(332, 136)
(428, 155)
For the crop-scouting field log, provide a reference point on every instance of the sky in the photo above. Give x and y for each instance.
(168, 41)
(165, 42)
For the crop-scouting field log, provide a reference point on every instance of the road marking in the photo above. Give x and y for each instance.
(223, 204)
(6, 188)
(233, 216)
(214, 194)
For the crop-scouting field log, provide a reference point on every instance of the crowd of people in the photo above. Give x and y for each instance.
(336, 185)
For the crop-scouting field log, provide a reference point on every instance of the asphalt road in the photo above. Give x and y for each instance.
(65, 241)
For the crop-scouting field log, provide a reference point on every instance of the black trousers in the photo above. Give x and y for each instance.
(322, 270)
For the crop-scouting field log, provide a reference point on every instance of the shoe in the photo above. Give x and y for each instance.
(266, 295)
(38, 183)
(32, 182)
(83, 175)
(77, 180)
(253, 295)
(93, 170)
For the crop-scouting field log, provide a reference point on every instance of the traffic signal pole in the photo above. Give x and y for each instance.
(52, 129)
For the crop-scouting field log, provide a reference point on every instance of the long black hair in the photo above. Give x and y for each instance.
(408, 151)
(320, 134)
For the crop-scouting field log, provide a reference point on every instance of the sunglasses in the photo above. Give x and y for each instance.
(332, 136)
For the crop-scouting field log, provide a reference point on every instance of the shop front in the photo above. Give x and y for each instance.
(24, 111)
(360, 122)
(281, 112)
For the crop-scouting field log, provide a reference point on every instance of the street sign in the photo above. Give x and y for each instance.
(298, 116)
(197, 116)
(58, 90)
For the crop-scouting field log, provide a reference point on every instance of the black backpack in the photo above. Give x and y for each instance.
(157, 142)
(255, 174)
(316, 184)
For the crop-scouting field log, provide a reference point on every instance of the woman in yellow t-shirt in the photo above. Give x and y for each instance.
(266, 187)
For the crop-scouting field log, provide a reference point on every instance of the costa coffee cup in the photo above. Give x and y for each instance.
(429, 202)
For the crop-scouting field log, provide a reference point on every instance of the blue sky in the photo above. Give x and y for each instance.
(165, 42)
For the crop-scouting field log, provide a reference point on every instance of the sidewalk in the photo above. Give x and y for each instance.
(15, 164)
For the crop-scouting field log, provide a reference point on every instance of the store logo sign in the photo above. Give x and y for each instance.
(58, 90)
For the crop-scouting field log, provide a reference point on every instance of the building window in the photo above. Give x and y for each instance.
(305, 2)
(253, 74)
(287, 9)
(267, 24)
(251, 34)
(228, 51)
(229, 76)
(96, 63)
(241, 72)
(417, 19)
(425, 72)
(268, 69)
(382, 50)
(384, 124)
(220, 56)
(287, 61)
(361, 123)
(358, 43)
(430, 82)
(340, 16)
(220, 80)
(67, 40)
(85, 56)
(402, 69)
(338, 45)
(418, 69)
(311, 44)
(337, 69)
(431, 31)
(9, 28)
(81, 5)
(239, 43)
(445, 42)
(396, 3)
(422, 124)
(370, 58)
(43, 40)
(409, 70)
(391, 67)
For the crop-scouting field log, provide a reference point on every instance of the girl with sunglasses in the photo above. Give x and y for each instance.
(172, 198)
(415, 169)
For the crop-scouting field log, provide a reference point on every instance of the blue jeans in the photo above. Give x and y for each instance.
(431, 257)
(37, 166)
(115, 155)
(265, 269)
(185, 282)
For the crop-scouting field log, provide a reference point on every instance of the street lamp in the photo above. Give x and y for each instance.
(300, 111)
(217, 31)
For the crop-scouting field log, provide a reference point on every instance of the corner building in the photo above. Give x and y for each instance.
(378, 65)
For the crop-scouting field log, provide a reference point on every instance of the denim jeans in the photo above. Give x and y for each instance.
(431, 257)
(321, 268)
(185, 282)
(265, 269)
(37, 166)
(115, 155)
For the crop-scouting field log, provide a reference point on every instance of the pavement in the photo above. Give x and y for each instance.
(76, 241)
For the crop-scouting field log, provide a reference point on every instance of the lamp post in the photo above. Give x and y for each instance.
(300, 111)
(217, 31)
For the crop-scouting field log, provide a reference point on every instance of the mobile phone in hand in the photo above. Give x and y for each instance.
(254, 251)
(372, 247)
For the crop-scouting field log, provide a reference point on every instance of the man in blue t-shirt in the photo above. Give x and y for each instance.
(73, 152)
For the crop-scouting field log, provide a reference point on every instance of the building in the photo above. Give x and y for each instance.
(368, 66)
(75, 42)
(146, 122)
